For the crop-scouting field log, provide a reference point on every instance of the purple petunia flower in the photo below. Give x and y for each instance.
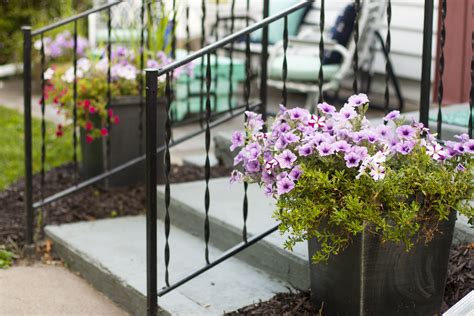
(252, 151)
(347, 112)
(254, 121)
(469, 145)
(405, 131)
(392, 116)
(305, 150)
(405, 147)
(268, 190)
(383, 131)
(358, 99)
(342, 146)
(281, 143)
(238, 140)
(326, 108)
(285, 185)
(252, 166)
(291, 138)
(352, 159)
(286, 159)
(325, 149)
(462, 138)
(298, 114)
(239, 158)
(460, 167)
(295, 173)
(236, 176)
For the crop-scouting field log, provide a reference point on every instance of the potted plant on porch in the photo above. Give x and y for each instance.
(377, 204)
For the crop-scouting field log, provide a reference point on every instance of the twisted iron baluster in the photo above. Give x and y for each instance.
(203, 38)
(188, 51)
(356, 41)
(141, 82)
(216, 62)
(388, 42)
(43, 122)
(74, 106)
(109, 79)
(231, 57)
(167, 180)
(245, 205)
(207, 167)
(284, 93)
(441, 67)
(471, 107)
(321, 52)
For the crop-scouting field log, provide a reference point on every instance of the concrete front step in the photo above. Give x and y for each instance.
(111, 254)
(226, 222)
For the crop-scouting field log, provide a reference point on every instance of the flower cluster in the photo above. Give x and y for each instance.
(335, 175)
(91, 74)
(62, 45)
(275, 159)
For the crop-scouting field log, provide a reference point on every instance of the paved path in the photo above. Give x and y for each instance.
(50, 290)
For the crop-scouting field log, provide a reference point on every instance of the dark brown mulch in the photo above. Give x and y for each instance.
(90, 204)
(293, 303)
(460, 274)
(459, 283)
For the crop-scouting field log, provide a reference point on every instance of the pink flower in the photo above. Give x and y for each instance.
(88, 126)
(116, 119)
(91, 110)
(104, 131)
(89, 138)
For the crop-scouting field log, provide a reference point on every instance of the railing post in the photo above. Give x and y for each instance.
(263, 62)
(27, 132)
(425, 86)
(151, 195)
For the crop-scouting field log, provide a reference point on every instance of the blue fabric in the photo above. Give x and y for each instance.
(341, 33)
(275, 29)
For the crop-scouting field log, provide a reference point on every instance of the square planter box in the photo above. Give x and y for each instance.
(125, 144)
(371, 278)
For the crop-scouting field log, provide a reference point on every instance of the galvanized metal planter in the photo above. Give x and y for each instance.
(371, 278)
(125, 145)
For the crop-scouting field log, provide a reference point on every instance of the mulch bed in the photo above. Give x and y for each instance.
(459, 283)
(95, 203)
(89, 204)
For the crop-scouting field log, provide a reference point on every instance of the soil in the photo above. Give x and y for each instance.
(89, 204)
(459, 283)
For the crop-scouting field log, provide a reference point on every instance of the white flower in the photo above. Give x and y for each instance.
(102, 65)
(69, 75)
(48, 74)
(83, 64)
(37, 45)
(377, 172)
(127, 72)
(436, 151)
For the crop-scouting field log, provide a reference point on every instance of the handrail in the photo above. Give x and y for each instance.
(230, 38)
(74, 18)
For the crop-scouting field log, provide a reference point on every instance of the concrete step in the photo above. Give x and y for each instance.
(226, 222)
(111, 255)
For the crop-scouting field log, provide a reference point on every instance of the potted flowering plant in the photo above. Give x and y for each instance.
(93, 115)
(377, 204)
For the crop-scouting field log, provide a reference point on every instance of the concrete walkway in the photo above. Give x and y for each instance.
(50, 290)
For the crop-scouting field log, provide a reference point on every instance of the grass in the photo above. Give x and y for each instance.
(58, 149)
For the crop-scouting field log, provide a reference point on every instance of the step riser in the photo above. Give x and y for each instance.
(126, 297)
(262, 255)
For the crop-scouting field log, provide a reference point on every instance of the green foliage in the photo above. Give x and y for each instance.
(59, 150)
(330, 204)
(37, 13)
(6, 258)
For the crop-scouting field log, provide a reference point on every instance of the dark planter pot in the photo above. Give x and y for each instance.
(371, 278)
(125, 144)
